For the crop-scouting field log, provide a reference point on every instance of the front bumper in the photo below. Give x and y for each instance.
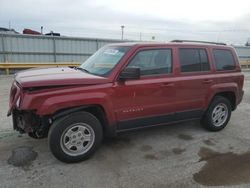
(25, 121)
(29, 122)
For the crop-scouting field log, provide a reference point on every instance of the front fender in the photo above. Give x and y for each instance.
(50, 102)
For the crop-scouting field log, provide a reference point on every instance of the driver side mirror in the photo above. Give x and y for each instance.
(130, 73)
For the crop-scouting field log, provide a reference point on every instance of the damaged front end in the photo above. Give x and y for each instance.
(29, 122)
(26, 121)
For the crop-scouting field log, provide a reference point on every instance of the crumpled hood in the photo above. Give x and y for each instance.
(39, 77)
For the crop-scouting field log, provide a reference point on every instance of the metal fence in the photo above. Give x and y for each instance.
(32, 48)
(16, 48)
(243, 52)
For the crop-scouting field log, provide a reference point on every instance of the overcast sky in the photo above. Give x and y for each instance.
(213, 20)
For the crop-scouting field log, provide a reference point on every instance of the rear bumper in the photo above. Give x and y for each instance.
(241, 94)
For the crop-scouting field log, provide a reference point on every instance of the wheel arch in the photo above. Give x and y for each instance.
(97, 110)
(230, 95)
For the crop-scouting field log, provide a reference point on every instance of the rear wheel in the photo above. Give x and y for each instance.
(76, 137)
(218, 114)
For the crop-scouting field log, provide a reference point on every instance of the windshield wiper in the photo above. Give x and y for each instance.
(82, 69)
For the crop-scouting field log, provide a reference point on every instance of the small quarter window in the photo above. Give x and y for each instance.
(224, 59)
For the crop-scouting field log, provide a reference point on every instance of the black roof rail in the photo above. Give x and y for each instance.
(206, 42)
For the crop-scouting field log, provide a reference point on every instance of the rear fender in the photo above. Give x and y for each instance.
(219, 88)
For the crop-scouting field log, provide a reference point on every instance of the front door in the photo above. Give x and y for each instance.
(150, 99)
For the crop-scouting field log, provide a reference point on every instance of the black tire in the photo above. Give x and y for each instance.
(207, 120)
(61, 125)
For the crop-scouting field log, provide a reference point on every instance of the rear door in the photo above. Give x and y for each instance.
(194, 80)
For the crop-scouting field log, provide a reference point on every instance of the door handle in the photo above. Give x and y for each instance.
(207, 81)
(167, 85)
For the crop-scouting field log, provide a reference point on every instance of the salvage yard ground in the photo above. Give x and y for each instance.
(178, 155)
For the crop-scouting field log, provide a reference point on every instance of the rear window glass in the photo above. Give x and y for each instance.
(224, 59)
(193, 60)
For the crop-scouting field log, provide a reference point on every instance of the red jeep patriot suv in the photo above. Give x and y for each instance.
(124, 87)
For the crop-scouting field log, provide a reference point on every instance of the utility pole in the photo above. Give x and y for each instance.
(122, 27)
(140, 36)
(41, 29)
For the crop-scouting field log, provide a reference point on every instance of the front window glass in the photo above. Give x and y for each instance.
(104, 60)
(153, 62)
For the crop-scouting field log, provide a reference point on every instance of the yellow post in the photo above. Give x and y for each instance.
(7, 70)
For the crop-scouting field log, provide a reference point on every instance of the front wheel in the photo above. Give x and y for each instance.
(75, 137)
(218, 114)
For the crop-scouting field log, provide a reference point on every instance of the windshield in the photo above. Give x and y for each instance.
(104, 60)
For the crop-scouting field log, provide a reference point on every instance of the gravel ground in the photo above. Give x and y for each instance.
(178, 155)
